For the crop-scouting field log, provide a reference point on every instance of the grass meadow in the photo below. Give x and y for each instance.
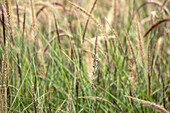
(84, 56)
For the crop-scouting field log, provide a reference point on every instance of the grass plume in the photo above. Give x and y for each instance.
(3, 76)
(134, 56)
(150, 104)
(94, 60)
(140, 41)
(9, 15)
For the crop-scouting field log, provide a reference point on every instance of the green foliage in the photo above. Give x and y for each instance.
(47, 75)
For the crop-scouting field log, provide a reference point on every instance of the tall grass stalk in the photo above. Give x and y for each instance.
(140, 42)
(68, 50)
(147, 103)
(3, 76)
(134, 56)
(10, 20)
(94, 60)
(84, 32)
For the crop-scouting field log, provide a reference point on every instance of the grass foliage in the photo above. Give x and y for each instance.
(90, 56)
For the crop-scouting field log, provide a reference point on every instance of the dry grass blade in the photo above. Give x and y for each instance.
(99, 98)
(57, 32)
(39, 11)
(60, 107)
(24, 18)
(163, 4)
(117, 37)
(18, 14)
(46, 5)
(154, 3)
(84, 11)
(69, 99)
(153, 105)
(148, 69)
(60, 35)
(3, 22)
(33, 14)
(60, 4)
(84, 33)
(156, 24)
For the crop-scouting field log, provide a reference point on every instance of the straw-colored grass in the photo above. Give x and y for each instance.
(97, 50)
(150, 104)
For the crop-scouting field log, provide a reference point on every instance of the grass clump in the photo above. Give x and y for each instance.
(84, 56)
